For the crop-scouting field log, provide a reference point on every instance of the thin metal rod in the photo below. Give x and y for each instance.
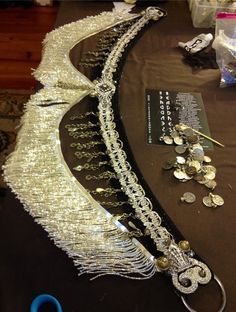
(204, 135)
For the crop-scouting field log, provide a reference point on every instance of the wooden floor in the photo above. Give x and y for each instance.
(21, 33)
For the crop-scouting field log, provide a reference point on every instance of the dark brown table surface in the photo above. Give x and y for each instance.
(30, 264)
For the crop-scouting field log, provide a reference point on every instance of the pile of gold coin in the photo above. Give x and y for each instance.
(191, 163)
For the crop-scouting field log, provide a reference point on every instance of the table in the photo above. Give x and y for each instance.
(31, 264)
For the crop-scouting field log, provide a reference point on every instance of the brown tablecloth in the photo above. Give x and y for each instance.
(30, 264)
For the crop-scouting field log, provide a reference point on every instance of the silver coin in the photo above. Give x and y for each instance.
(207, 159)
(190, 170)
(197, 145)
(195, 163)
(208, 168)
(211, 184)
(186, 176)
(203, 181)
(169, 164)
(174, 134)
(199, 177)
(179, 174)
(198, 154)
(192, 139)
(180, 149)
(210, 175)
(167, 139)
(189, 197)
(188, 132)
(178, 140)
(180, 160)
(217, 200)
(207, 201)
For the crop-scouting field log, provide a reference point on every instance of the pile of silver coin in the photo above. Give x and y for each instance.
(191, 164)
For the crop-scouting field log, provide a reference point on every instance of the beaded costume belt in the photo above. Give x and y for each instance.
(96, 240)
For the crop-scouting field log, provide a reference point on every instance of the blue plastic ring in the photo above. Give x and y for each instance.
(41, 299)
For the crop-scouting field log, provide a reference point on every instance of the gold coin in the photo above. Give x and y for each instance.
(167, 139)
(217, 200)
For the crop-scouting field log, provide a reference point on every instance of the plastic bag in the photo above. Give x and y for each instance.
(225, 46)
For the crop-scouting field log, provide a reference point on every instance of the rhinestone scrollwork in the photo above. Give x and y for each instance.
(188, 280)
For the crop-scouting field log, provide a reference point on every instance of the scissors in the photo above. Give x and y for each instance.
(44, 298)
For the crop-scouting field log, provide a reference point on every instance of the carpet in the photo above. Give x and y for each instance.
(11, 109)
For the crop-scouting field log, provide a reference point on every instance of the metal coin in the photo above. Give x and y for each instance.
(199, 177)
(180, 127)
(174, 134)
(192, 139)
(169, 164)
(211, 184)
(179, 174)
(191, 170)
(197, 145)
(186, 177)
(203, 181)
(207, 159)
(207, 201)
(196, 164)
(180, 149)
(180, 160)
(210, 175)
(189, 197)
(167, 139)
(188, 132)
(209, 168)
(178, 140)
(198, 154)
(217, 200)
